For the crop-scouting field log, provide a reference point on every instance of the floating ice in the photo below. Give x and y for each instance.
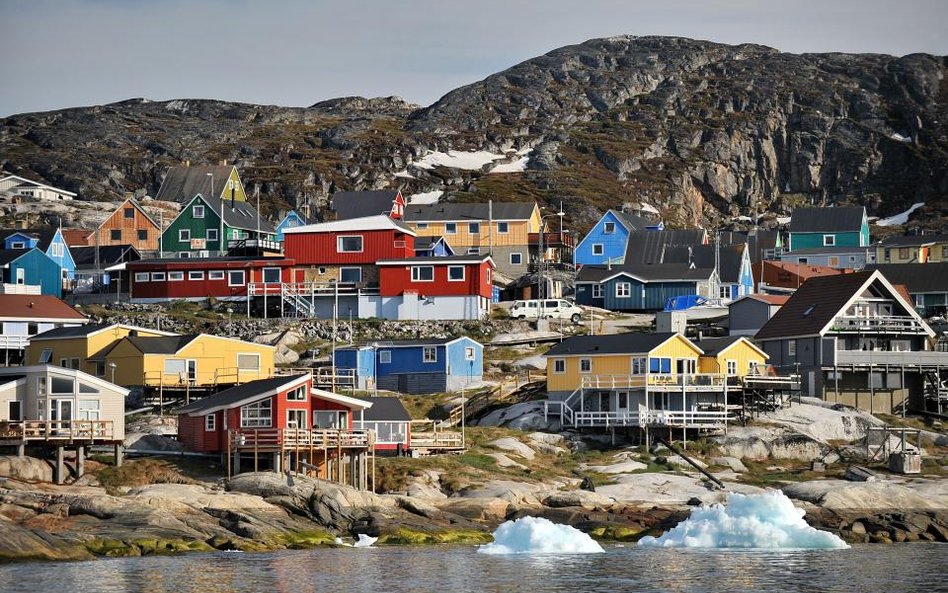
(364, 541)
(536, 535)
(901, 217)
(766, 520)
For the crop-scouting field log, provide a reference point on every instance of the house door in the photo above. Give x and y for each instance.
(622, 401)
(60, 410)
(15, 411)
(20, 276)
(685, 366)
(296, 419)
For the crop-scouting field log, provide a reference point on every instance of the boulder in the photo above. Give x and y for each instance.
(514, 446)
(506, 462)
(730, 462)
(519, 493)
(26, 468)
(578, 498)
(524, 416)
(623, 467)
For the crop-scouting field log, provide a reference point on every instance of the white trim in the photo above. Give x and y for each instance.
(195, 274)
(339, 239)
(379, 222)
(417, 277)
(243, 274)
(463, 274)
(176, 276)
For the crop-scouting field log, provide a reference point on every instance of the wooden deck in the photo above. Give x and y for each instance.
(659, 382)
(283, 439)
(429, 436)
(57, 431)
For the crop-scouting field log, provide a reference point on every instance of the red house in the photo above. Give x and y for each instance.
(353, 241)
(459, 275)
(224, 278)
(283, 423)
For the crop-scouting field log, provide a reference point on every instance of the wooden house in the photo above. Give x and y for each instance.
(51, 242)
(197, 279)
(24, 316)
(281, 423)
(102, 269)
(30, 271)
(642, 287)
(458, 287)
(748, 314)
(927, 283)
(785, 277)
(129, 224)
(198, 228)
(217, 182)
(432, 247)
(912, 249)
(837, 226)
(414, 366)
(389, 421)
(840, 258)
(607, 241)
(27, 188)
(291, 220)
(359, 204)
(735, 356)
(735, 276)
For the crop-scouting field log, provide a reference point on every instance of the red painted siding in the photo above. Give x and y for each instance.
(321, 248)
(192, 434)
(187, 288)
(396, 279)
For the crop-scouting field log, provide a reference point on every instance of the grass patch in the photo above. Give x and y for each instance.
(142, 472)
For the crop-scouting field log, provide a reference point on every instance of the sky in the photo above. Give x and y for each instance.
(68, 53)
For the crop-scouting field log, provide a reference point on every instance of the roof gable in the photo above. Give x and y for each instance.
(628, 343)
(244, 394)
(120, 213)
(182, 183)
(358, 204)
(354, 225)
(838, 219)
(465, 211)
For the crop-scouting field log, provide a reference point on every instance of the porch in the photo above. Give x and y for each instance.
(663, 382)
(57, 435)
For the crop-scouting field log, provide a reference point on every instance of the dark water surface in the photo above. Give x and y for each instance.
(863, 568)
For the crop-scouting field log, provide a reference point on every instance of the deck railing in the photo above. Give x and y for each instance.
(59, 430)
(643, 417)
(694, 380)
(883, 324)
(289, 438)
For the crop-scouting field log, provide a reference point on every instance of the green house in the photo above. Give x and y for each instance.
(198, 227)
(829, 227)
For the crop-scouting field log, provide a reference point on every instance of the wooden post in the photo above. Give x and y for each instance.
(227, 455)
(60, 465)
(256, 460)
(80, 460)
(119, 452)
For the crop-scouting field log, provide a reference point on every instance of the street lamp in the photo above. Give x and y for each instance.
(112, 366)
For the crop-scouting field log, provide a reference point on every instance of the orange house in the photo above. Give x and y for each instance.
(129, 224)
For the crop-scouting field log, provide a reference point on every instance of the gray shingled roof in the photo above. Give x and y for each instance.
(44, 236)
(356, 204)
(160, 344)
(240, 215)
(812, 306)
(468, 211)
(72, 332)
(648, 247)
(182, 183)
(827, 220)
(633, 222)
(9, 255)
(386, 409)
(917, 278)
(631, 343)
(758, 241)
(714, 346)
(648, 273)
(702, 256)
(913, 240)
(108, 255)
(240, 393)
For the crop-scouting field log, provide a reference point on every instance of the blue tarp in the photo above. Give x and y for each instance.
(681, 303)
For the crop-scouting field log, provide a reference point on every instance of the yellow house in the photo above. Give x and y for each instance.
(736, 356)
(502, 229)
(619, 361)
(79, 347)
(195, 360)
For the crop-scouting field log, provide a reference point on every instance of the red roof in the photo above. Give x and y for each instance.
(76, 237)
(773, 299)
(37, 306)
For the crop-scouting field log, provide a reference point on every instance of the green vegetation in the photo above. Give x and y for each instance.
(151, 470)
(405, 536)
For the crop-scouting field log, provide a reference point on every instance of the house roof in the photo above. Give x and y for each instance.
(43, 236)
(632, 222)
(715, 346)
(464, 211)
(182, 183)
(770, 299)
(357, 204)
(243, 393)
(792, 271)
(644, 273)
(87, 330)
(917, 278)
(386, 409)
(160, 344)
(240, 215)
(76, 237)
(434, 259)
(913, 240)
(630, 343)
(108, 254)
(827, 220)
(135, 205)
(23, 181)
(410, 343)
(757, 240)
(10, 255)
(829, 250)
(36, 307)
(648, 247)
(731, 258)
(379, 222)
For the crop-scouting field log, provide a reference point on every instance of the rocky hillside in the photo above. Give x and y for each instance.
(699, 130)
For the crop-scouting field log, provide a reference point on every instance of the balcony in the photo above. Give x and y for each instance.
(275, 439)
(877, 325)
(926, 358)
(57, 430)
(699, 419)
(552, 240)
(254, 247)
(658, 382)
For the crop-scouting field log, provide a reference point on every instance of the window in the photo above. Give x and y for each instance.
(129, 212)
(330, 420)
(115, 235)
(469, 353)
(659, 365)
(17, 245)
(141, 276)
(503, 228)
(184, 235)
(559, 366)
(944, 252)
(585, 365)
(211, 234)
(271, 275)
(829, 240)
(350, 275)
(61, 385)
(192, 275)
(46, 356)
(429, 354)
(349, 244)
(248, 362)
(732, 367)
(210, 423)
(197, 212)
(833, 261)
(516, 259)
(450, 228)
(422, 273)
(455, 273)
(888, 254)
(56, 249)
(623, 290)
(175, 276)
(598, 249)
(903, 252)
(792, 348)
(297, 395)
(16, 411)
(609, 228)
(215, 275)
(597, 291)
(474, 228)
(724, 291)
(803, 260)
(157, 276)
(421, 226)
(185, 255)
(100, 368)
(473, 250)
(638, 365)
(296, 419)
(236, 278)
(256, 415)
(385, 356)
(88, 409)
(143, 234)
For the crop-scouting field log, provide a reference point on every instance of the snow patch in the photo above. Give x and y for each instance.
(900, 218)
(518, 166)
(364, 541)
(428, 197)
(766, 520)
(536, 535)
(900, 138)
(404, 174)
(457, 159)
(783, 220)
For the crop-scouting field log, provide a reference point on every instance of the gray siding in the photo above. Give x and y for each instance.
(415, 383)
(747, 316)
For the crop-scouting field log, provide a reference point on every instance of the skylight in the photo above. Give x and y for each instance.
(809, 310)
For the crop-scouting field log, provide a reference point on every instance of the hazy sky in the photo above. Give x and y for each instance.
(66, 53)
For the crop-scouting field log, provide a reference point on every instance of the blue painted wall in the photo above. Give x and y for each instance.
(645, 297)
(292, 219)
(410, 359)
(584, 296)
(613, 244)
(38, 269)
(459, 366)
(58, 251)
(28, 242)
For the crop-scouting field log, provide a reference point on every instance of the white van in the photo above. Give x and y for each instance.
(546, 309)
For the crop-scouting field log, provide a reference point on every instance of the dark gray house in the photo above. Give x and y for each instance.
(748, 314)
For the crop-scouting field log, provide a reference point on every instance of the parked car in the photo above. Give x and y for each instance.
(546, 309)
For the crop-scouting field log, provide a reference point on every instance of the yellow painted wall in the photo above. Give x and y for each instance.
(239, 194)
(82, 347)
(518, 232)
(741, 352)
(937, 252)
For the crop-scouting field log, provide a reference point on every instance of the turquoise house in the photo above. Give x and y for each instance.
(32, 267)
(607, 241)
(49, 241)
(828, 227)
(291, 220)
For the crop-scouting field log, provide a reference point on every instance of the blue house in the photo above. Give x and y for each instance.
(414, 366)
(291, 220)
(31, 267)
(432, 247)
(50, 242)
(608, 239)
(735, 275)
(828, 227)
(640, 287)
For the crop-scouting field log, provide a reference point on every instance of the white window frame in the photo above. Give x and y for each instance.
(217, 275)
(184, 235)
(211, 235)
(724, 291)
(639, 365)
(177, 276)
(455, 268)
(792, 348)
(17, 244)
(450, 228)
(421, 226)
(341, 239)
(429, 354)
(608, 228)
(243, 278)
(257, 420)
(470, 353)
(416, 273)
(142, 277)
(197, 211)
(503, 227)
(195, 274)
(57, 249)
(598, 249)
(46, 355)
(254, 355)
(585, 365)
(210, 423)
(297, 394)
(157, 276)
(519, 257)
(385, 357)
(359, 268)
(598, 291)
(623, 290)
(731, 366)
(474, 228)
(473, 250)
(263, 275)
(559, 366)
(829, 240)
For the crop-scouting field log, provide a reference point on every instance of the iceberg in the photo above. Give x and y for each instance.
(767, 520)
(536, 535)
